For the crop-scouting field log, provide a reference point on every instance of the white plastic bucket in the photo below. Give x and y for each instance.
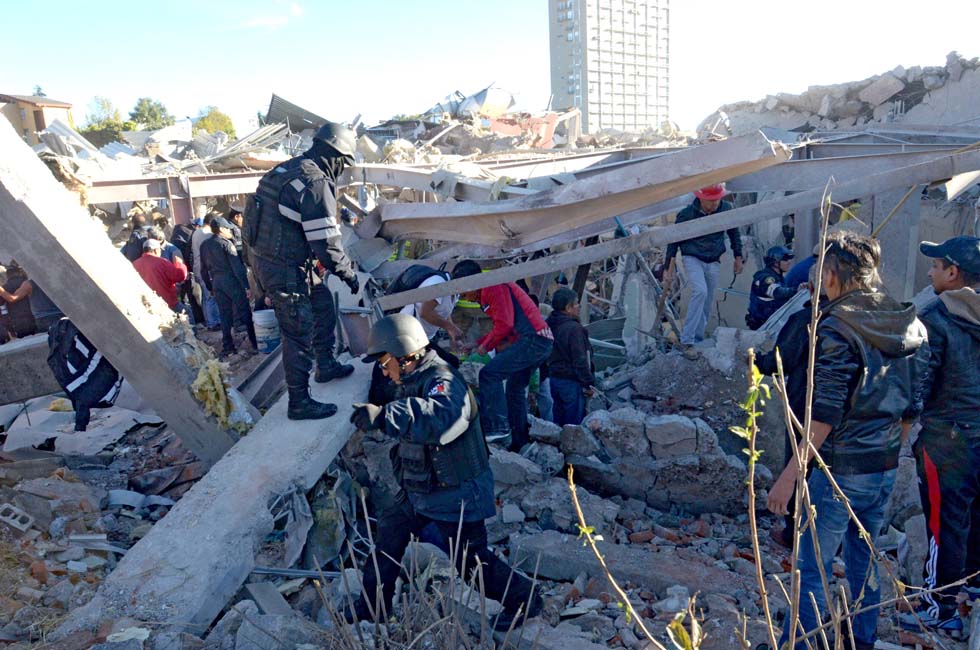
(266, 330)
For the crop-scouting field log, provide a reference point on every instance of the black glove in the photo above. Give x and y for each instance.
(366, 416)
(353, 283)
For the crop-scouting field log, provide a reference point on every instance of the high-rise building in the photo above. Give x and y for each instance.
(610, 58)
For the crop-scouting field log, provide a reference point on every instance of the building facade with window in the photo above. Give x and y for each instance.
(610, 59)
(31, 114)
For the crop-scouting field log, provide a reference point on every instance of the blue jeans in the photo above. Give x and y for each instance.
(569, 401)
(867, 494)
(212, 316)
(500, 413)
(703, 278)
(546, 405)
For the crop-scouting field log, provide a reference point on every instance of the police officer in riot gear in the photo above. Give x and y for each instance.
(441, 462)
(292, 234)
(768, 291)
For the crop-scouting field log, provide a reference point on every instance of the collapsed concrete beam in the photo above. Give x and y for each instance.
(517, 222)
(198, 556)
(68, 254)
(904, 177)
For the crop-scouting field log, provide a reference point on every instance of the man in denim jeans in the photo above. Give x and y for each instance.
(700, 258)
(871, 355)
(521, 341)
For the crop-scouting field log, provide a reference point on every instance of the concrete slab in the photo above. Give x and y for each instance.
(24, 371)
(199, 555)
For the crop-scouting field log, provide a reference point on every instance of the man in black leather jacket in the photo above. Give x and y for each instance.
(442, 464)
(947, 450)
(871, 355)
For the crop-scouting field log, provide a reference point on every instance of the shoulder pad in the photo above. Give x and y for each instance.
(310, 169)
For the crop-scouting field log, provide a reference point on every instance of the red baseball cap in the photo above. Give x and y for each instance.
(712, 192)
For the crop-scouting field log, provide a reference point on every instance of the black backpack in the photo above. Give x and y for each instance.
(133, 248)
(415, 275)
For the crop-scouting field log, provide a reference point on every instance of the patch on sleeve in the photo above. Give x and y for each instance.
(438, 389)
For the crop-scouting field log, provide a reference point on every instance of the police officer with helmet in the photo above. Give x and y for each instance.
(292, 234)
(441, 462)
(768, 291)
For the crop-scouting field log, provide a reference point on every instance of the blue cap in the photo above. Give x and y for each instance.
(962, 251)
(198, 221)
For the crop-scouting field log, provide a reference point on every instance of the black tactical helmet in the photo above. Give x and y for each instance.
(778, 254)
(339, 137)
(398, 335)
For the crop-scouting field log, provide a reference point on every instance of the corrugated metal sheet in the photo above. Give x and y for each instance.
(297, 118)
(73, 137)
(114, 149)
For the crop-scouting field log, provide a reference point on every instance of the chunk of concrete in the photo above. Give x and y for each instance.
(544, 431)
(270, 632)
(882, 89)
(671, 435)
(580, 441)
(25, 370)
(621, 431)
(548, 458)
(551, 504)
(564, 557)
(512, 469)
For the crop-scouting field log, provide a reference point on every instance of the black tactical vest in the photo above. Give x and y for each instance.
(424, 468)
(273, 230)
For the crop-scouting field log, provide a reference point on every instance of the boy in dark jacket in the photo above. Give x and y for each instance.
(571, 359)
(871, 355)
(947, 451)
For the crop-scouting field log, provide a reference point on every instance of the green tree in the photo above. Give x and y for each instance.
(151, 114)
(212, 120)
(104, 123)
(38, 92)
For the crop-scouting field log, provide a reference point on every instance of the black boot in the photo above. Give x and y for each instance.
(304, 407)
(332, 369)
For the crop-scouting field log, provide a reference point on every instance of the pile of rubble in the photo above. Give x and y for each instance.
(67, 519)
(916, 95)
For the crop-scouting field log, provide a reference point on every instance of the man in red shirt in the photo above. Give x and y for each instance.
(520, 342)
(159, 274)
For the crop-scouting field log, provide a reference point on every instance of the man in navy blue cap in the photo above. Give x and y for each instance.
(948, 448)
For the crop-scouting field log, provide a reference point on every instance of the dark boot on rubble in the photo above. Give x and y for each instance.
(303, 407)
(331, 369)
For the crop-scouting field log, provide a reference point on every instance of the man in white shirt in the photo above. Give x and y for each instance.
(437, 313)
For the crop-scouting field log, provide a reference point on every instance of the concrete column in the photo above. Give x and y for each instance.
(45, 228)
(899, 241)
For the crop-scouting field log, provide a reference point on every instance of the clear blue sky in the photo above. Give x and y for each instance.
(381, 57)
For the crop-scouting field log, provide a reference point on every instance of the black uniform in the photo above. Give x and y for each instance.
(442, 464)
(291, 223)
(87, 377)
(226, 279)
(768, 295)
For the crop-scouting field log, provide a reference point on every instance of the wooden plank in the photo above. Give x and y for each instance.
(268, 598)
(934, 170)
(516, 222)
(67, 252)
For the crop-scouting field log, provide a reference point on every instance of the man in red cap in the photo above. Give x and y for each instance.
(700, 258)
